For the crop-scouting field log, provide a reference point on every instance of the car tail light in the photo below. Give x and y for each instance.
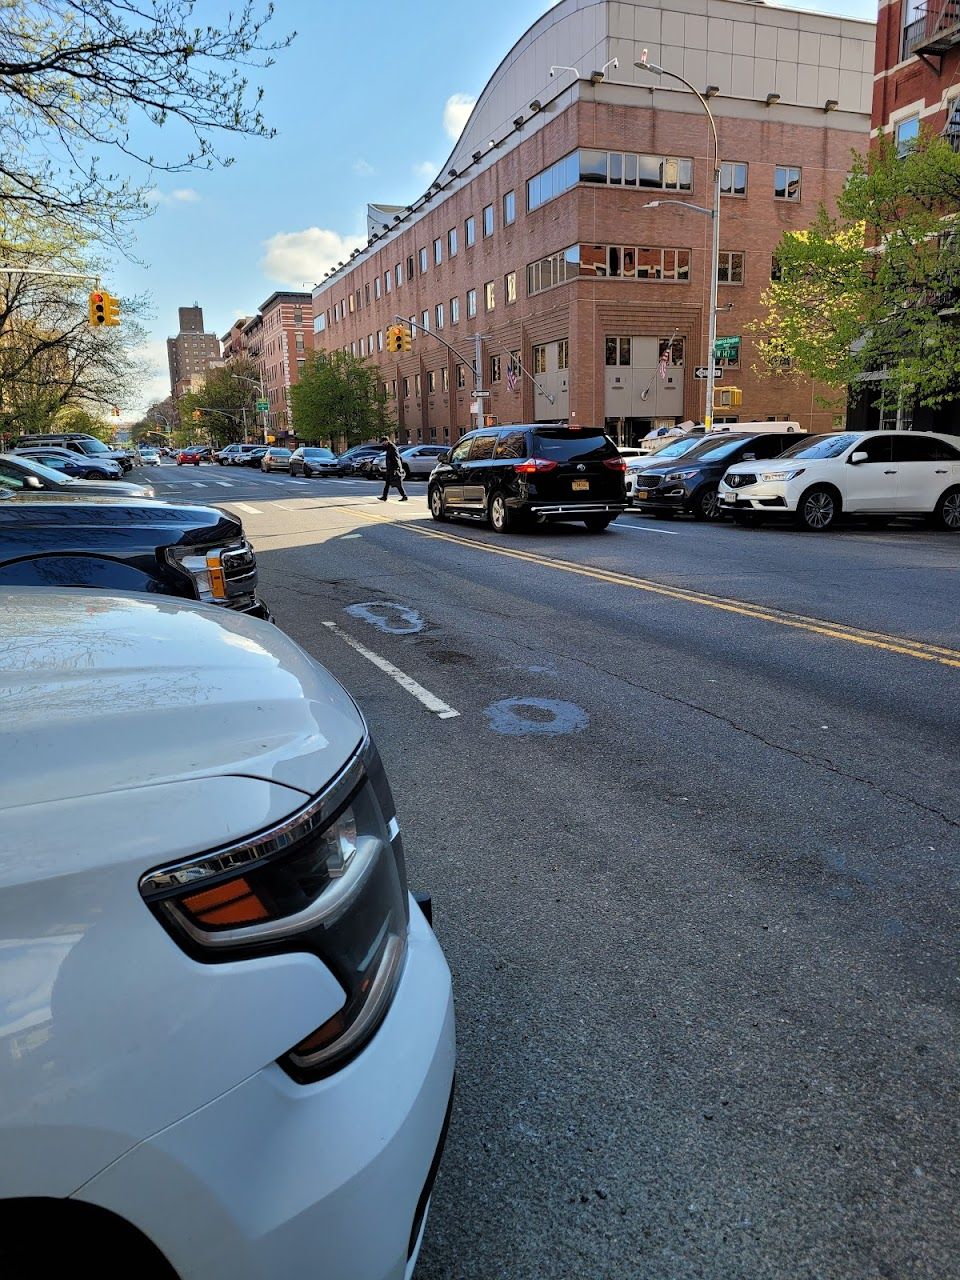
(330, 881)
(615, 464)
(532, 465)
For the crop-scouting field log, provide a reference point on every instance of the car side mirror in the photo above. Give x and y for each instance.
(860, 456)
(445, 457)
(749, 457)
(32, 482)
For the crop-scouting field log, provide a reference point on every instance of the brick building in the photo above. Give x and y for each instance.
(191, 353)
(917, 71)
(284, 338)
(539, 235)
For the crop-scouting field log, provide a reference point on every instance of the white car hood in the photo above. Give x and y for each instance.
(100, 693)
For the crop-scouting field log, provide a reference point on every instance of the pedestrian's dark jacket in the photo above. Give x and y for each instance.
(392, 460)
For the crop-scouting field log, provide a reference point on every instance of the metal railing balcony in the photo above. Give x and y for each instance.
(935, 29)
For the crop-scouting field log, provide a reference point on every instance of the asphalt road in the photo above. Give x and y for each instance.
(693, 837)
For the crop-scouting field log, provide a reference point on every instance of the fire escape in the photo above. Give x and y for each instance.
(934, 30)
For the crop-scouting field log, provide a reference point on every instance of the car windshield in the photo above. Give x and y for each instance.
(823, 447)
(572, 446)
(710, 450)
(325, 454)
(93, 446)
(676, 449)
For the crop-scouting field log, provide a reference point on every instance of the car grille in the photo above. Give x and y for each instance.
(739, 479)
(648, 482)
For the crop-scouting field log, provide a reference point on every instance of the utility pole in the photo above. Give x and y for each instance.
(478, 375)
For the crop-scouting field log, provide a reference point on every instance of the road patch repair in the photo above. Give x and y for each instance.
(518, 717)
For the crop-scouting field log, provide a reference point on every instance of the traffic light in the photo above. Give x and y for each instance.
(97, 309)
(398, 338)
(112, 305)
(405, 339)
(727, 398)
(391, 337)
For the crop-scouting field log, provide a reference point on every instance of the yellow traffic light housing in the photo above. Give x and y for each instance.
(97, 308)
(727, 398)
(112, 306)
(392, 344)
(405, 341)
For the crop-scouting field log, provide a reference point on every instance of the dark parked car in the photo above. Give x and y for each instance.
(127, 544)
(688, 485)
(508, 474)
(253, 458)
(42, 473)
(310, 461)
(77, 442)
(360, 453)
(77, 465)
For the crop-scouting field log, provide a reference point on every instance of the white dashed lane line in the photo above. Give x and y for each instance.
(422, 695)
(639, 528)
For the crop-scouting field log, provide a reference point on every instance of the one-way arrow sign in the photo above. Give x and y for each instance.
(702, 372)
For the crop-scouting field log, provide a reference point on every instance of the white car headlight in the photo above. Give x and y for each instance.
(782, 475)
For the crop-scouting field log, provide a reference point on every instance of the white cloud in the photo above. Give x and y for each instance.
(425, 169)
(456, 113)
(180, 195)
(154, 383)
(295, 256)
(363, 168)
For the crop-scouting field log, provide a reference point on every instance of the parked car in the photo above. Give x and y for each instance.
(370, 465)
(229, 453)
(20, 471)
(873, 474)
(690, 485)
(675, 448)
(416, 461)
(127, 544)
(195, 454)
(530, 472)
(251, 459)
(227, 1027)
(149, 456)
(77, 465)
(77, 442)
(310, 461)
(350, 460)
(275, 459)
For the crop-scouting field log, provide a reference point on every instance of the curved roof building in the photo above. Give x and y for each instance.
(538, 254)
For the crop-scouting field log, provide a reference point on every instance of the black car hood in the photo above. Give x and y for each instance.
(89, 512)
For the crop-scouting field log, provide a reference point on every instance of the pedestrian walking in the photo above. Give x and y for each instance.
(394, 470)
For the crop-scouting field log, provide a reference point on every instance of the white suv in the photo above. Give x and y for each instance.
(226, 1029)
(859, 473)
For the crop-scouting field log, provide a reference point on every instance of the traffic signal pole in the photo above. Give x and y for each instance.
(476, 366)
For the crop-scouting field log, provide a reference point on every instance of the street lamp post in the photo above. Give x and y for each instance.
(714, 213)
(258, 383)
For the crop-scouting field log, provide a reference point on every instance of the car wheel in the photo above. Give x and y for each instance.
(308, 472)
(597, 524)
(818, 509)
(946, 514)
(404, 472)
(436, 503)
(706, 503)
(89, 475)
(499, 514)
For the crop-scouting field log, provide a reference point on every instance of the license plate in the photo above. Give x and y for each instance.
(729, 499)
(642, 493)
(581, 484)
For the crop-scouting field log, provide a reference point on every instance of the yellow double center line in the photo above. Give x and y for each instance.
(759, 613)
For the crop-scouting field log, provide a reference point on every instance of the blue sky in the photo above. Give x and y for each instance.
(366, 104)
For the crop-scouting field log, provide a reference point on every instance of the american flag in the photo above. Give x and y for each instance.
(664, 362)
(512, 377)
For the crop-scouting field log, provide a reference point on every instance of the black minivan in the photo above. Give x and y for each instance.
(531, 472)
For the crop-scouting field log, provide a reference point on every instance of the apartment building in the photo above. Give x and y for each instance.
(917, 72)
(192, 352)
(284, 337)
(560, 229)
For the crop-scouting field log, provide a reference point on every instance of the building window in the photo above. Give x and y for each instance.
(461, 376)
(358, 299)
(431, 382)
(300, 366)
(776, 269)
(560, 267)
(425, 321)
(733, 178)
(494, 368)
(470, 232)
(730, 268)
(298, 315)
(379, 339)
(413, 328)
(444, 379)
(387, 281)
(617, 351)
(370, 344)
(423, 261)
(728, 352)
(406, 388)
(363, 348)
(454, 310)
(437, 251)
(509, 208)
(510, 287)
(611, 168)
(366, 295)
(392, 384)
(410, 267)
(398, 273)
(563, 353)
(350, 303)
(319, 323)
(471, 303)
(539, 359)
(553, 181)
(489, 296)
(376, 287)
(298, 341)
(452, 242)
(906, 134)
(786, 183)
(634, 262)
(416, 385)
(353, 348)
(488, 221)
(438, 315)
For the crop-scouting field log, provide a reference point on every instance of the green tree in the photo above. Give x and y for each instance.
(875, 288)
(338, 399)
(83, 79)
(226, 403)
